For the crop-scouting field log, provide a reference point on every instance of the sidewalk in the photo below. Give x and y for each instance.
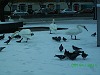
(69, 20)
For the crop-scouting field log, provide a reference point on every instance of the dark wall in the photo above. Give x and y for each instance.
(10, 27)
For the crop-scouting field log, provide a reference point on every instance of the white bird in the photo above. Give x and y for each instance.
(10, 19)
(21, 19)
(53, 27)
(75, 31)
(24, 33)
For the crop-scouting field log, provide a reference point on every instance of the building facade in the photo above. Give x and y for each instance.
(25, 6)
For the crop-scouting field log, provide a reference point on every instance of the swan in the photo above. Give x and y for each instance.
(75, 31)
(53, 27)
(10, 19)
(24, 33)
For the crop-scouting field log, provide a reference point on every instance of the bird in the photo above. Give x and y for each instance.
(24, 33)
(54, 38)
(8, 40)
(75, 31)
(66, 53)
(60, 56)
(94, 34)
(64, 39)
(84, 55)
(76, 48)
(1, 48)
(58, 39)
(21, 19)
(71, 55)
(61, 48)
(2, 36)
(53, 27)
(10, 19)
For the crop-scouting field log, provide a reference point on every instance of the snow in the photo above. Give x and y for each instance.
(37, 56)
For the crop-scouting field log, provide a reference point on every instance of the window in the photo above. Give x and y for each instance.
(14, 7)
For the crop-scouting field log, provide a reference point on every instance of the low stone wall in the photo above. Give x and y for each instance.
(9, 27)
(40, 28)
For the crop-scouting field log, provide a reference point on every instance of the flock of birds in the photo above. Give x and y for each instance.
(71, 55)
(22, 34)
(26, 34)
(72, 31)
(58, 39)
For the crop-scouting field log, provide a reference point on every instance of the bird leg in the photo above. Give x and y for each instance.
(71, 37)
(20, 40)
(50, 32)
(76, 39)
(27, 40)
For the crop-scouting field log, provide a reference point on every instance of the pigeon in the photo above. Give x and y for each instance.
(61, 48)
(60, 56)
(66, 53)
(1, 48)
(2, 36)
(20, 40)
(84, 55)
(54, 38)
(64, 39)
(8, 40)
(77, 51)
(71, 56)
(59, 38)
(76, 48)
(93, 35)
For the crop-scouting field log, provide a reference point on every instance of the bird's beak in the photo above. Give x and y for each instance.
(85, 28)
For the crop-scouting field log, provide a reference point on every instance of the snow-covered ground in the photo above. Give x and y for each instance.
(37, 56)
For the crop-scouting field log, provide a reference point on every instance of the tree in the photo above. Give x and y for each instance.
(3, 3)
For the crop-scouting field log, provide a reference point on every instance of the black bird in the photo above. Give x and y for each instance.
(8, 40)
(2, 37)
(71, 56)
(1, 48)
(77, 52)
(59, 38)
(76, 48)
(66, 53)
(93, 35)
(60, 56)
(20, 40)
(61, 48)
(17, 36)
(54, 38)
(64, 39)
(84, 55)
